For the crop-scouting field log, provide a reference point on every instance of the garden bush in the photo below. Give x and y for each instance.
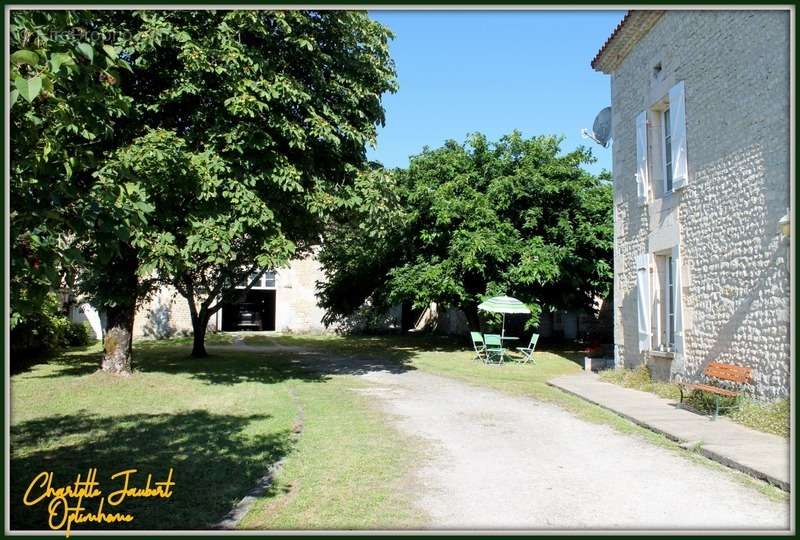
(46, 331)
(77, 334)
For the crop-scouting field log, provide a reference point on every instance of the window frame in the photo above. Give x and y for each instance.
(666, 150)
(263, 280)
(669, 308)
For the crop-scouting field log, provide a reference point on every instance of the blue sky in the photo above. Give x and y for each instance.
(493, 71)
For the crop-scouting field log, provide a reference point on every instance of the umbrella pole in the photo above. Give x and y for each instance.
(503, 330)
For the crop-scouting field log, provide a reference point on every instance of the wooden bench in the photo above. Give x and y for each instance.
(720, 372)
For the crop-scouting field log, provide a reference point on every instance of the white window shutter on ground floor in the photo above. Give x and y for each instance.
(677, 127)
(677, 298)
(642, 179)
(643, 301)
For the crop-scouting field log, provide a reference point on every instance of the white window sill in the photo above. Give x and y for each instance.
(663, 354)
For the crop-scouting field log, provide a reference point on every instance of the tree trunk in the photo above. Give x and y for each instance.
(117, 344)
(199, 327)
(474, 321)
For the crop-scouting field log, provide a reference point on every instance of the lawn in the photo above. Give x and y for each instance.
(218, 422)
(453, 358)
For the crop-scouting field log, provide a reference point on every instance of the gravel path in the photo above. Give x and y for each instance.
(497, 461)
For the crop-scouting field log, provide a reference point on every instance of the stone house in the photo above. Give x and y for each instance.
(283, 300)
(701, 165)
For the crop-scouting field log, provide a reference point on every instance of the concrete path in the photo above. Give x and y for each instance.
(759, 454)
(497, 461)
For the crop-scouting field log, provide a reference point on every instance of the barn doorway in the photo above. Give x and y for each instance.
(253, 310)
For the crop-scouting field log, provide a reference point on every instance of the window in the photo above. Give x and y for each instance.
(667, 150)
(263, 280)
(670, 303)
(664, 303)
(658, 299)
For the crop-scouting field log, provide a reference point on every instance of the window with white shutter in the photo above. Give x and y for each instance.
(642, 174)
(643, 301)
(676, 300)
(677, 131)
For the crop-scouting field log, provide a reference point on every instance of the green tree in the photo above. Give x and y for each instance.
(249, 125)
(473, 220)
(65, 105)
(269, 113)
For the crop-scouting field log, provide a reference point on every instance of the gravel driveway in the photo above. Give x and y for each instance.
(497, 461)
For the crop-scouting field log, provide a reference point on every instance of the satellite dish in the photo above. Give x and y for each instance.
(601, 129)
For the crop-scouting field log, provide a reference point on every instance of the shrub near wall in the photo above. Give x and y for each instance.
(46, 330)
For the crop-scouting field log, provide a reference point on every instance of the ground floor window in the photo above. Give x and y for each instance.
(664, 305)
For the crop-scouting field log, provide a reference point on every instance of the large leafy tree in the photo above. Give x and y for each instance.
(242, 128)
(65, 106)
(263, 118)
(467, 221)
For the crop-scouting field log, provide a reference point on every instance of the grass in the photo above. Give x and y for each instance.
(444, 356)
(452, 358)
(219, 423)
(767, 417)
(640, 379)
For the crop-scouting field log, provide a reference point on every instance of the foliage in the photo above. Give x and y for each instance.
(468, 221)
(774, 417)
(764, 416)
(42, 331)
(77, 334)
(640, 378)
(191, 146)
(250, 122)
(65, 105)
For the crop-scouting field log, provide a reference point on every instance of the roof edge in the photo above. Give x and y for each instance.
(633, 26)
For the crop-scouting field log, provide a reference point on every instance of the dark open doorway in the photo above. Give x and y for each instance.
(253, 310)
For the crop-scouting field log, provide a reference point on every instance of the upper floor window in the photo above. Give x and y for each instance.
(260, 280)
(661, 163)
(667, 153)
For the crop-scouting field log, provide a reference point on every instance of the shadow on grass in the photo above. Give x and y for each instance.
(213, 463)
(228, 364)
(21, 364)
(272, 359)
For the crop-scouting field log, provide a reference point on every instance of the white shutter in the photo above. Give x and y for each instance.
(93, 316)
(643, 300)
(642, 177)
(677, 286)
(677, 130)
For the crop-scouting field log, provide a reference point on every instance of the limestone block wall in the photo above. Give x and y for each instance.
(164, 315)
(296, 308)
(735, 67)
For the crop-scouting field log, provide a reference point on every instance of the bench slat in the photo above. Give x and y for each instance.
(712, 389)
(728, 372)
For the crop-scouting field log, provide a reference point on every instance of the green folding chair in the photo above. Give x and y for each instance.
(494, 348)
(479, 346)
(527, 352)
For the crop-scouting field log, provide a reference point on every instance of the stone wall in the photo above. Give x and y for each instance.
(165, 315)
(296, 308)
(736, 298)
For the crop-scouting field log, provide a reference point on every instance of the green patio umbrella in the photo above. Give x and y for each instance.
(503, 304)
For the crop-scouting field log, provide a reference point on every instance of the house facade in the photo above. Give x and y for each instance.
(282, 300)
(701, 166)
